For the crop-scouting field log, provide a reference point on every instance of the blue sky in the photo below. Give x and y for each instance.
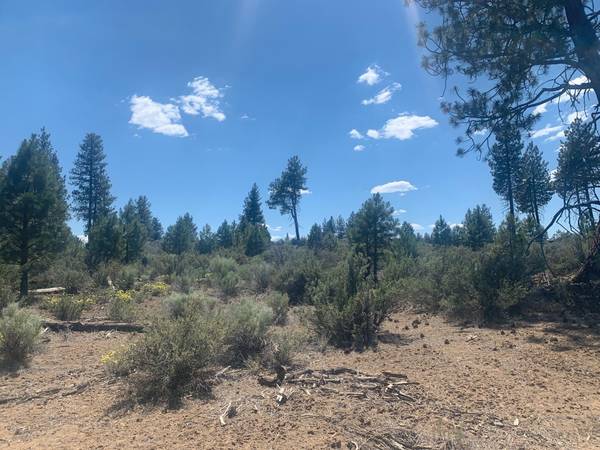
(196, 100)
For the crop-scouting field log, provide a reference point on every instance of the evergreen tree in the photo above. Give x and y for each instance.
(224, 235)
(106, 240)
(252, 213)
(182, 236)
(144, 214)
(442, 233)
(534, 187)
(33, 207)
(371, 230)
(315, 237)
(578, 172)
(255, 239)
(91, 196)
(478, 227)
(156, 231)
(134, 232)
(252, 229)
(504, 161)
(516, 49)
(286, 191)
(206, 240)
(406, 244)
(340, 227)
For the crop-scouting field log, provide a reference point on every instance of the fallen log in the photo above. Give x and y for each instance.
(52, 290)
(91, 327)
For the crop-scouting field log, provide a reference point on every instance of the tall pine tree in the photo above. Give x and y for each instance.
(371, 231)
(286, 191)
(181, 237)
(33, 207)
(478, 227)
(91, 196)
(534, 186)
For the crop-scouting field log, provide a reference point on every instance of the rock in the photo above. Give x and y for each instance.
(446, 341)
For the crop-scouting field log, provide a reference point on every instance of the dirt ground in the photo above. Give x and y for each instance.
(530, 385)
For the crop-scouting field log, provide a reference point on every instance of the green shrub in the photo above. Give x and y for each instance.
(258, 276)
(19, 333)
(228, 285)
(224, 275)
(68, 307)
(247, 326)
(122, 307)
(280, 347)
(174, 357)
(182, 305)
(7, 296)
(297, 278)
(279, 304)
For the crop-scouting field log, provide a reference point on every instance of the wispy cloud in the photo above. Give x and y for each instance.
(384, 95)
(305, 192)
(398, 212)
(547, 130)
(161, 118)
(417, 226)
(401, 186)
(359, 148)
(274, 228)
(372, 75)
(402, 127)
(355, 134)
(204, 99)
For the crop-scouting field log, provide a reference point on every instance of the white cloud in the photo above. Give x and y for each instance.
(355, 134)
(417, 226)
(583, 115)
(276, 238)
(398, 212)
(204, 99)
(305, 192)
(276, 228)
(83, 238)
(547, 130)
(161, 118)
(384, 95)
(402, 127)
(541, 109)
(553, 173)
(401, 186)
(456, 225)
(359, 148)
(373, 134)
(556, 137)
(372, 75)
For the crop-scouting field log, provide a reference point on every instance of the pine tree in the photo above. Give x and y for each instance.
(534, 187)
(340, 227)
(442, 233)
(33, 207)
(135, 232)
(515, 48)
(144, 214)
(252, 213)
(106, 240)
(286, 191)
(182, 236)
(156, 231)
(504, 160)
(371, 230)
(206, 240)
(314, 239)
(91, 196)
(224, 235)
(255, 239)
(578, 172)
(478, 227)
(406, 244)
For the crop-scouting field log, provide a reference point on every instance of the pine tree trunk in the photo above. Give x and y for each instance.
(24, 286)
(586, 42)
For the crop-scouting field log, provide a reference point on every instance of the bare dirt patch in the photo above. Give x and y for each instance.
(534, 385)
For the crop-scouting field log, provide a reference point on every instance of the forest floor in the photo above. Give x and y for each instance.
(531, 384)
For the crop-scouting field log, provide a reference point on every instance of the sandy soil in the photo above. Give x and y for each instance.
(534, 385)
